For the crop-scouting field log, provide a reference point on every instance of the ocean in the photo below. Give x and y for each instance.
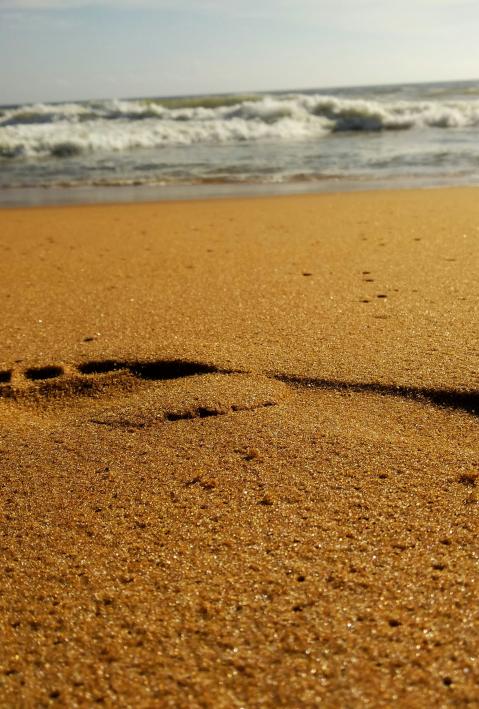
(288, 141)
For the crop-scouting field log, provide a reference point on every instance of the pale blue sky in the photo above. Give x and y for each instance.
(74, 49)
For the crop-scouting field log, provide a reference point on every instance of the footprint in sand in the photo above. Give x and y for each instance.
(137, 394)
(132, 393)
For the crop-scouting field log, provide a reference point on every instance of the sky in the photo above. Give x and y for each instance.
(62, 50)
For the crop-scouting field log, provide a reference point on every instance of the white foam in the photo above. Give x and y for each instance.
(111, 126)
(101, 135)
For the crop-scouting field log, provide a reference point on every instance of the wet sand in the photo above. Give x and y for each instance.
(239, 452)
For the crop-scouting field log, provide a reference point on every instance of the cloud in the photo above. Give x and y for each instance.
(335, 17)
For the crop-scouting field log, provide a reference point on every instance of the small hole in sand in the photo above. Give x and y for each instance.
(469, 478)
(5, 376)
(49, 372)
(394, 623)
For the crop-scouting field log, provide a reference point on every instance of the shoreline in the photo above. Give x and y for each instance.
(18, 197)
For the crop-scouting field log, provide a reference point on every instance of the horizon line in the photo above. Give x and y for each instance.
(246, 92)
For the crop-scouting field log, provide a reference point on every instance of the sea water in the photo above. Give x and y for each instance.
(363, 137)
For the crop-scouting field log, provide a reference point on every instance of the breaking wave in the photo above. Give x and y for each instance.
(69, 129)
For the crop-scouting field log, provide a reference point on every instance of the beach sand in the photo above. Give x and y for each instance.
(239, 451)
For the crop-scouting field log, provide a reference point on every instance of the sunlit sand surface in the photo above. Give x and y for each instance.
(239, 452)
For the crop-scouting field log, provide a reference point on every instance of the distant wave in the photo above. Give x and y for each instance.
(66, 130)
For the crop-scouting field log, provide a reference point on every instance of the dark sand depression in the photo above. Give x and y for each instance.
(239, 452)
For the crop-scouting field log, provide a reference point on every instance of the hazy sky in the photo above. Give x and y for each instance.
(72, 49)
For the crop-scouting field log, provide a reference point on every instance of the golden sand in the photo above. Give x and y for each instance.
(239, 453)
